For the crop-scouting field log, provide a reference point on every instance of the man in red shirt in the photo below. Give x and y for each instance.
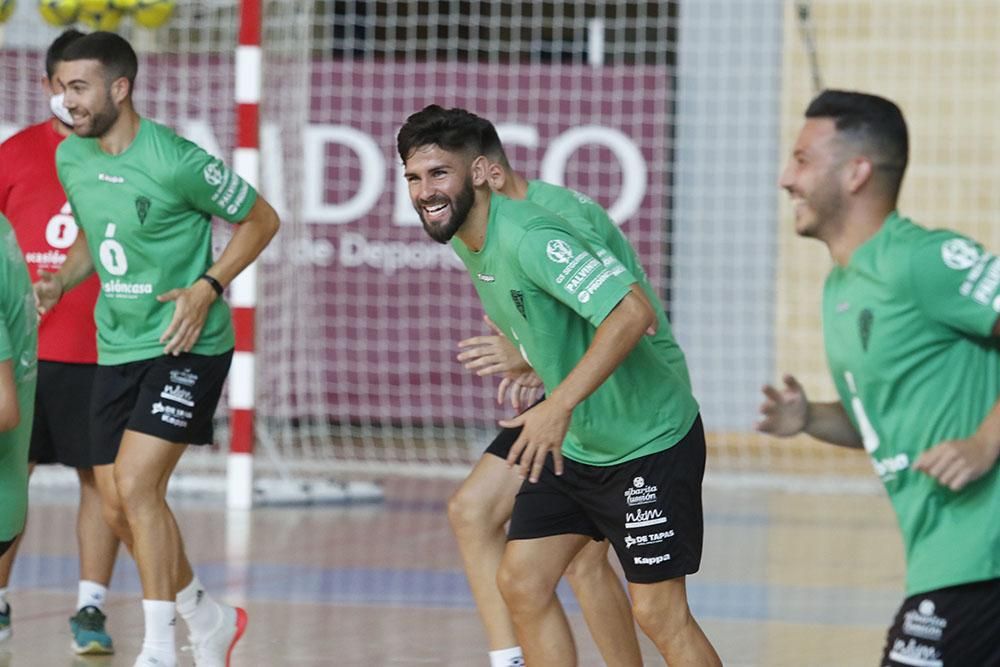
(33, 200)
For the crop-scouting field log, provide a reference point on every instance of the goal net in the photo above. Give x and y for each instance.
(676, 116)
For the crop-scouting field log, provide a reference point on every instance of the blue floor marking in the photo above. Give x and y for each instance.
(735, 601)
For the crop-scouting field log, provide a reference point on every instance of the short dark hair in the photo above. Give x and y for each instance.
(455, 130)
(57, 47)
(873, 123)
(490, 143)
(115, 54)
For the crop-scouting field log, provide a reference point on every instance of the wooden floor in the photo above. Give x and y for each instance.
(787, 580)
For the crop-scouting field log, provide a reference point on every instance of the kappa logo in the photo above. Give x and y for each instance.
(142, 205)
(559, 251)
(108, 178)
(865, 321)
(959, 254)
(213, 173)
(654, 560)
(486, 278)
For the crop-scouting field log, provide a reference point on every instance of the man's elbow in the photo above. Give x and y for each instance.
(269, 219)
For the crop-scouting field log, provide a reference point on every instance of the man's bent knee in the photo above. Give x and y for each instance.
(664, 612)
(134, 492)
(465, 511)
(521, 587)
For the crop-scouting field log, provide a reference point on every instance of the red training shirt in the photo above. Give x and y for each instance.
(33, 200)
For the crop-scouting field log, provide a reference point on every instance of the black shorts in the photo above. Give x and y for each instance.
(60, 432)
(949, 627)
(649, 508)
(173, 398)
(506, 437)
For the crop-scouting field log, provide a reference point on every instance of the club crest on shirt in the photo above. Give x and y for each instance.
(558, 251)
(865, 321)
(213, 173)
(142, 205)
(517, 296)
(959, 254)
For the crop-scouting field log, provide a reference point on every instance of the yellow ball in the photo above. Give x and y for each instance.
(104, 20)
(6, 9)
(153, 13)
(59, 12)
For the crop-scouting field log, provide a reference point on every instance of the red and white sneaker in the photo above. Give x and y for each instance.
(216, 648)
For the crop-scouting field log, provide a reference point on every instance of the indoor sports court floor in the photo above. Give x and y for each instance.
(787, 580)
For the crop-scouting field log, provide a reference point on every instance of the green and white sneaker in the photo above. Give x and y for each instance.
(5, 630)
(89, 636)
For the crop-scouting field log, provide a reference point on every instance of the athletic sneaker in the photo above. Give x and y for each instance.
(145, 660)
(5, 630)
(89, 636)
(215, 648)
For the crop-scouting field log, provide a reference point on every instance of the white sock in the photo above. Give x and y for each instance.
(507, 657)
(90, 594)
(3, 599)
(198, 609)
(160, 618)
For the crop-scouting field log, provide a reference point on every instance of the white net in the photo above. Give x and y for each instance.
(674, 115)
(369, 378)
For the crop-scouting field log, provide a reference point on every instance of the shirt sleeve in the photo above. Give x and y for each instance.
(569, 269)
(955, 282)
(210, 186)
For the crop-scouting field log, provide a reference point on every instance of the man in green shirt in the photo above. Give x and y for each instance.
(18, 372)
(617, 449)
(481, 507)
(910, 323)
(143, 199)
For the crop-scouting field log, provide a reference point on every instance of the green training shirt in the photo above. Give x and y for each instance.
(19, 345)
(147, 217)
(907, 327)
(546, 289)
(593, 224)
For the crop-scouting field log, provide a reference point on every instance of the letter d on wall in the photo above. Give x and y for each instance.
(370, 160)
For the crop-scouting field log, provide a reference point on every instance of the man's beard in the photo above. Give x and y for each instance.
(460, 208)
(100, 121)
